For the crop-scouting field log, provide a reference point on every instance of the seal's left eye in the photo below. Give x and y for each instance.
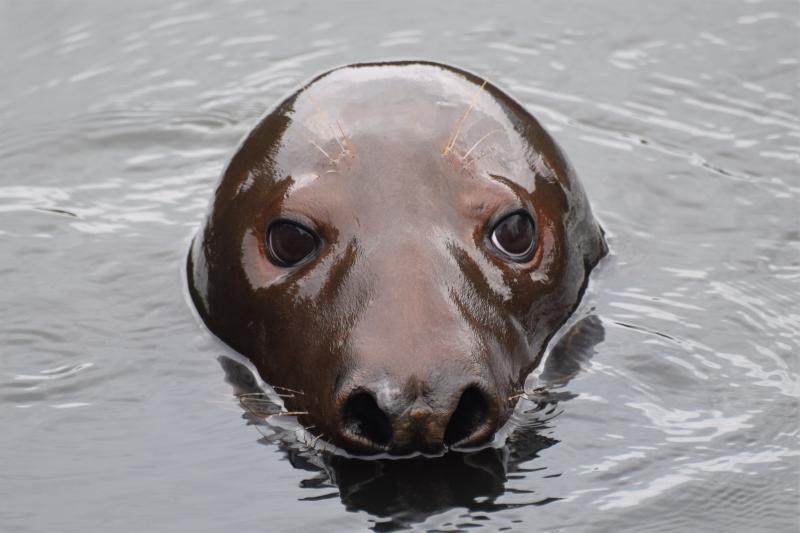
(515, 236)
(290, 243)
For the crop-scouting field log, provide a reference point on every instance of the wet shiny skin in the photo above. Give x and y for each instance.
(682, 121)
(407, 331)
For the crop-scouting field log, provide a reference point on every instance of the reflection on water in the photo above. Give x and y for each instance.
(674, 409)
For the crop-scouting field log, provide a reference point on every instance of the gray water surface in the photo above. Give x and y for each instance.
(682, 119)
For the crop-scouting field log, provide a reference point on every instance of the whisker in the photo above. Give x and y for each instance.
(287, 389)
(466, 155)
(258, 400)
(228, 407)
(341, 146)
(341, 130)
(453, 138)
(286, 413)
(224, 402)
(483, 154)
(328, 117)
(254, 415)
(251, 394)
(291, 413)
(318, 147)
(315, 439)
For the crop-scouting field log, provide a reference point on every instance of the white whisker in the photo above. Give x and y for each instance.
(453, 138)
(466, 155)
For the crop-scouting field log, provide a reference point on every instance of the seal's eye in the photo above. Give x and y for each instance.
(515, 236)
(290, 243)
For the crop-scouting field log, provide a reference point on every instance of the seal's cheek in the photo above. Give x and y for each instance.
(547, 262)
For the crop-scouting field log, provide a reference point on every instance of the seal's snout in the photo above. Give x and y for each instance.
(472, 421)
(399, 424)
(365, 423)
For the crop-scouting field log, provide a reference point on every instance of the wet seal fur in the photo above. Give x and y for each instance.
(407, 330)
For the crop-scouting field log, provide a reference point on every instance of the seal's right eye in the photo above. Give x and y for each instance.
(289, 243)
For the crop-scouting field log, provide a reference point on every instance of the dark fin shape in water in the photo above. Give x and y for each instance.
(573, 352)
(239, 376)
(258, 405)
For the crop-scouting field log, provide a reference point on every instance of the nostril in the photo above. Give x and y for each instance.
(469, 416)
(363, 417)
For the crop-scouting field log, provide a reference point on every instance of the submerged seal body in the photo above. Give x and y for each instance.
(396, 242)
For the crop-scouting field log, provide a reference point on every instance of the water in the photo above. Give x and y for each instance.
(682, 119)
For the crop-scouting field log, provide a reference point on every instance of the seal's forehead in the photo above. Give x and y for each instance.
(395, 80)
(425, 97)
(399, 112)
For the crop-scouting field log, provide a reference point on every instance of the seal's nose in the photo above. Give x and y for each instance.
(401, 425)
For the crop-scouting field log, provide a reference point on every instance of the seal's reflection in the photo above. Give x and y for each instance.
(406, 491)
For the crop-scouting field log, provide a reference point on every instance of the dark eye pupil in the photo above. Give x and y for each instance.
(515, 235)
(289, 243)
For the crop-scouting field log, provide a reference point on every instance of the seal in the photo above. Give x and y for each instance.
(395, 243)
